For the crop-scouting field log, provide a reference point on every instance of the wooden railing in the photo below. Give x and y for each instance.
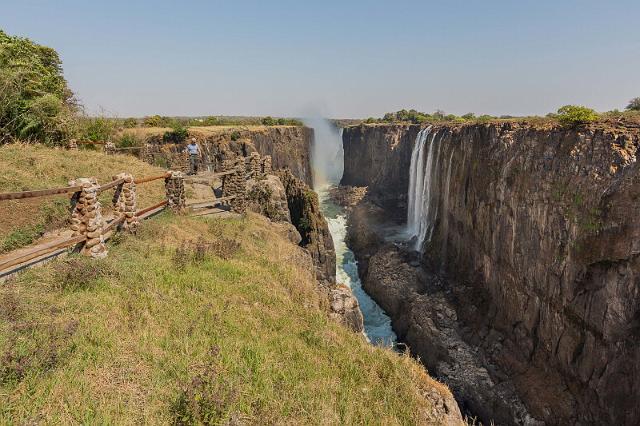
(89, 230)
(15, 260)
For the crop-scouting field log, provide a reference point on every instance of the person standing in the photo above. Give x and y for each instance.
(194, 151)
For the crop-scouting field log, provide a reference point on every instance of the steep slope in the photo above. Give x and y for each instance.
(197, 321)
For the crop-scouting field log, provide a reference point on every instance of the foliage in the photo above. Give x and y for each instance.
(128, 140)
(35, 102)
(157, 121)
(573, 115)
(270, 121)
(130, 123)
(177, 135)
(97, 129)
(235, 135)
(634, 104)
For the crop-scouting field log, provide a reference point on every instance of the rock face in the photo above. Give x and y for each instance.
(536, 232)
(345, 308)
(304, 209)
(288, 146)
(268, 197)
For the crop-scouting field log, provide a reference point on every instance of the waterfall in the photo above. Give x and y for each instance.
(425, 179)
(416, 173)
(421, 186)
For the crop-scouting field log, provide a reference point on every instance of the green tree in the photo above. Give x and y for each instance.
(130, 123)
(634, 104)
(268, 121)
(574, 115)
(35, 102)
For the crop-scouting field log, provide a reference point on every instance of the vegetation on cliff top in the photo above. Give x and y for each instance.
(568, 115)
(35, 102)
(194, 321)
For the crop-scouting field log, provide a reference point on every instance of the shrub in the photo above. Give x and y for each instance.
(97, 128)
(35, 102)
(178, 135)
(268, 121)
(634, 104)
(127, 140)
(235, 135)
(573, 115)
(130, 123)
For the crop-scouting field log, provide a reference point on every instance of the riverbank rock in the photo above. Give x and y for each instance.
(345, 308)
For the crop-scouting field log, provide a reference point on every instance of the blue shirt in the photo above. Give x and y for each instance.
(193, 149)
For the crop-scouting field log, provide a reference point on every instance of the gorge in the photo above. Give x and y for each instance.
(519, 287)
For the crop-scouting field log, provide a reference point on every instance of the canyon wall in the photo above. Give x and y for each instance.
(288, 146)
(537, 228)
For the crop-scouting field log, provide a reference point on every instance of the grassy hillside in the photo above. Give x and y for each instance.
(26, 167)
(193, 320)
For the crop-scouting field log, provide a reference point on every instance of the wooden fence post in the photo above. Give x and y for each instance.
(86, 218)
(174, 186)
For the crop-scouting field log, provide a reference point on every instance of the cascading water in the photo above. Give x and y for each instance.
(328, 163)
(425, 179)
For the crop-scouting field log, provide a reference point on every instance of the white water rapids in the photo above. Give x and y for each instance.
(328, 164)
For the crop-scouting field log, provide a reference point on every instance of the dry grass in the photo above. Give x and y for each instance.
(27, 167)
(233, 336)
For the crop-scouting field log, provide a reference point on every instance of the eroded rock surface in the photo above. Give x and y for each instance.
(536, 232)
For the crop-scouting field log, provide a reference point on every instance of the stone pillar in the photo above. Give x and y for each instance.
(109, 148)
(146, 154)
(174, 185)
(255, 168)
(227, 165)
(266, 165)
(239, 187)
(73, 145)
(124, 201)
(86, 218)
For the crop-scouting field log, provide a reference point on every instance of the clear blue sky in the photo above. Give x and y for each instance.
(344, 58)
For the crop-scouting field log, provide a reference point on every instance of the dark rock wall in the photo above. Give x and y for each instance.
(542, 225)
(306, 216)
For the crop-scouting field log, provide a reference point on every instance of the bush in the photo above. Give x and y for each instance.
(269, 121)
(178, 135)
(35, 102)
(634, 104)
(130, 123)
(235, 135)
(97, 129)
(574, 115)
(127, 140)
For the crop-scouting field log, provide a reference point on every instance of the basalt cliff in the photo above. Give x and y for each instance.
(525, 297)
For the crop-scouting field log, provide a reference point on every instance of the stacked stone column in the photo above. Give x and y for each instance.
(146, 154)
(239, 187)
(174, 186)
(109, 148)
(125, 202)
(87, 219)
(227, 165)
(255, 168)
(266, 165)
